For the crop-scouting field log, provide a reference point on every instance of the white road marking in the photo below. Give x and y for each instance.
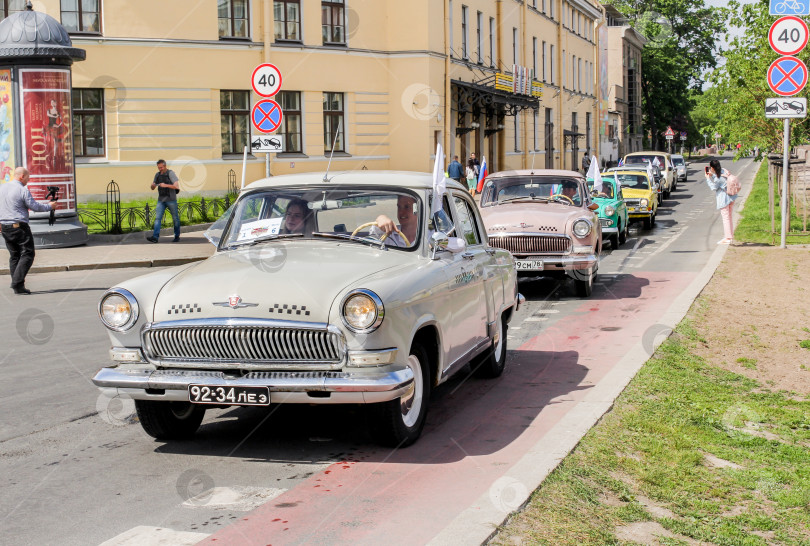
(144, 535)
(547, 311)
(535, 319)
(238, 499)
(665, 245)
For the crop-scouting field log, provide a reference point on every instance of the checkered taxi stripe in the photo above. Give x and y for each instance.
(185, 308)
(283, 309)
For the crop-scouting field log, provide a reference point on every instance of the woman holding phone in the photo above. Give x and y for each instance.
(716, 179)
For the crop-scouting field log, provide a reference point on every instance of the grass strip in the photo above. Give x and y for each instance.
(699, 451)
(755, 226)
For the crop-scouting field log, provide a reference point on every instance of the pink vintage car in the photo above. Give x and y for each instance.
(547, 220)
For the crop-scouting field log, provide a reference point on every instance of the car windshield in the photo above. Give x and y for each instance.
(557, 189)
(629, 180)
(646, 158)
(678, 161)
(607, 188)
(336, 213)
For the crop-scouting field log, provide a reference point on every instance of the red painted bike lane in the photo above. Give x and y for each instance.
(475, 433)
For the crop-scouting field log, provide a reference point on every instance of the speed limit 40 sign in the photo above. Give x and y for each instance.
(266, 80)
(788, 35)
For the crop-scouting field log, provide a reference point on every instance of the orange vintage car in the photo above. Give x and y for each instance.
(547, 220)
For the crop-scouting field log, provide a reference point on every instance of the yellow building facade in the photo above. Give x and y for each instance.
(514, 81)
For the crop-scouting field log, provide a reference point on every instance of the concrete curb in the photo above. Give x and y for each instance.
(479, 522)
(158, 262)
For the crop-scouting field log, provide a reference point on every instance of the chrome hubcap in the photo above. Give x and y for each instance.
(411, 402)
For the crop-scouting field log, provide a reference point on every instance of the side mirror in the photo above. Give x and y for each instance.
(440, 241)
(456, 245)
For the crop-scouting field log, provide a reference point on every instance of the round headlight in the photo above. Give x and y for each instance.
(609, 210)
(582, 227)
(362, 311)
(644, 203)
(118, 309)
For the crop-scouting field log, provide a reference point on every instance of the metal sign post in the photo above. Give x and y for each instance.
(785, 165)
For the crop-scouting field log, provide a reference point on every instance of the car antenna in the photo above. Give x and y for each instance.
(332, 152)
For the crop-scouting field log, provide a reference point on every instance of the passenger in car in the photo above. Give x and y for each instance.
(298, 218)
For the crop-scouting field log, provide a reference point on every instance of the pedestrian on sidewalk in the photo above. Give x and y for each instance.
(472, 178)
(716, 178)
(15, 200)
(168, 186)
(455, 170)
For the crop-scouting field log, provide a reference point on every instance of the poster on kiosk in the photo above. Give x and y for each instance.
(47, 135)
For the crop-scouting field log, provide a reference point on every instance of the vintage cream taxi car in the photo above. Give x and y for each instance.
(547, 220)
(338, 290)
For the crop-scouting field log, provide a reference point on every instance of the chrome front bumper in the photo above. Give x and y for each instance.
(613, 229)
(321, 387)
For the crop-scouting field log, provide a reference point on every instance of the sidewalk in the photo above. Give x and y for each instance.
(115, 251)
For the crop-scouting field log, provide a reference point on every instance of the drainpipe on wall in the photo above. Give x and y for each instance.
(560, 101)
(501, 145)
(525, 155)
(448, 98)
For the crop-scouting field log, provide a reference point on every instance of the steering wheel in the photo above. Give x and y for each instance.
(384, 235)
(564, 196)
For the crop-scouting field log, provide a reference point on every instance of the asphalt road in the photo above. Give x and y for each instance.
(76, 468)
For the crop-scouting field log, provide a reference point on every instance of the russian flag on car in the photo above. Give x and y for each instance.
(482, 174)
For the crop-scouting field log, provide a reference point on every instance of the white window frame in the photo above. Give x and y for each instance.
(465, 37)
(492, 41)
(478, 36)
(534, 57)
(515, 58)
(544, 61)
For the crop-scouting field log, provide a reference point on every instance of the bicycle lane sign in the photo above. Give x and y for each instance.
(789, 7)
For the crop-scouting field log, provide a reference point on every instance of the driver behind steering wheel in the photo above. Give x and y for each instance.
(408, 223)
(571, 191)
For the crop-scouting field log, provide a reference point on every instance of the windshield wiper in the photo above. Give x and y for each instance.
(522, 197)
(349, 237)
(265, 238)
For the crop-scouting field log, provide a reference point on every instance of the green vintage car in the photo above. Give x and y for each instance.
(612, 210)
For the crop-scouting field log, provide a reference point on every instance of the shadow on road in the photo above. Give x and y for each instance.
(467, 417)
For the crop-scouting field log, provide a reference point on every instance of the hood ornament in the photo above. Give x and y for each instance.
(234, 302)
(524, 225)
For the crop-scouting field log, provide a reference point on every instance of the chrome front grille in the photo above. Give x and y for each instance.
(632, 202)
(606, 222)
(248, 344)
(532, 244)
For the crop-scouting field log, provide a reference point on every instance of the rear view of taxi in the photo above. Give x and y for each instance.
(639, 195)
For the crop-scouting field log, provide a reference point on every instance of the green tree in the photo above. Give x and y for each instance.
(740, 87)
(681, 46)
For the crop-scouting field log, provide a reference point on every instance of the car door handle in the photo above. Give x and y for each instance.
(468, 255)
(490, 251)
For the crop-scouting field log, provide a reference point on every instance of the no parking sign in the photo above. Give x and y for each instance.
(787, 76)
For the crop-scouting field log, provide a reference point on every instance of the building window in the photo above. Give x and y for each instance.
(491, 41)
(333, 124)
(10, 7)
(88, 122)
(233, 18)
(517, 133)
(465, 54)
(514, 46)
(80, 15)
(234, 109)
(562, 74)
(551, 63)
(543, 4)
(544, 61)
(290, 102)
(287, 15)
(534, 57)
(579, 75)
(478, 30)
(536, 116)
(333, 22)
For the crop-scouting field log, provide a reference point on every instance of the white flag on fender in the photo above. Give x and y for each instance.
(439, 181)
(593, 172)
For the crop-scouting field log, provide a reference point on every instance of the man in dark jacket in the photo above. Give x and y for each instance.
(168, 187)
(455, 170)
